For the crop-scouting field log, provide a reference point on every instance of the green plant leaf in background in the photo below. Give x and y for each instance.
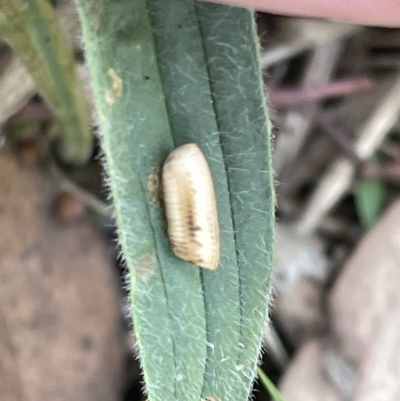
(269, 386)
(369, 197)
(166, 73)
(33, 31)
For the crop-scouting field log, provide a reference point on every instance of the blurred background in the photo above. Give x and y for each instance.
(333, 91)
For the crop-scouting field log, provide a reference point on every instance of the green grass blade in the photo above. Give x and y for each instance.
(33, 31)
(369, 196)
(269, 386)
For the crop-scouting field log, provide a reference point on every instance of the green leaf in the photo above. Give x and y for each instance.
(158, 71)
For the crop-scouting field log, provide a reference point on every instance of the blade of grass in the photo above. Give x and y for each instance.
(269, 386)
(33, 30)
(369, 195)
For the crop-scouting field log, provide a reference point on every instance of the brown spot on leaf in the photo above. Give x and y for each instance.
(153, 185)
(145, 265)
(116, 87)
